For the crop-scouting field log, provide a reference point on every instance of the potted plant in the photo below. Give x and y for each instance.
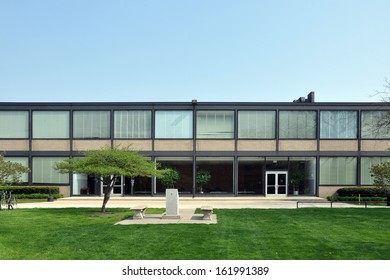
(202, 178)
(297, 177)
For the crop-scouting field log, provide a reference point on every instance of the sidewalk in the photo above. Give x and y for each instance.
(188, 202)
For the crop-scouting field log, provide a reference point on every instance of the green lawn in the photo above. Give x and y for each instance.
(61, 234)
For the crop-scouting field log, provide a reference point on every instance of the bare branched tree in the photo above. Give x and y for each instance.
(383, 118)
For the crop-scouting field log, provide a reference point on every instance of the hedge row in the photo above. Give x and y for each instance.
(363, 192)
(355, 198)
(37, 196)
(17, 190)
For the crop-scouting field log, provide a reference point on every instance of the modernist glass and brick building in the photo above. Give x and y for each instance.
(248, 148)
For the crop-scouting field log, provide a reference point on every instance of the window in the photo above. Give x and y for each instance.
(24, 161)
(375, 124)
(215, 124)
(14, 124)
(51, 124)
(43, 171)
(338, 124)
(256, 124)
(91, 124)
(174, 124)
(132, 124)
(366, 163)
(338, 170)
(297, 124)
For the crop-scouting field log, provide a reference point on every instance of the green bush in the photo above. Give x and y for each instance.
(17, 190)
(355, 198)
(37, 196)
(364, 192)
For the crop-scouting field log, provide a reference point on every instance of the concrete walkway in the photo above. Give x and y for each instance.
(185, 202)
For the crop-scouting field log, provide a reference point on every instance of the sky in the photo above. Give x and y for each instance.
(179, 50)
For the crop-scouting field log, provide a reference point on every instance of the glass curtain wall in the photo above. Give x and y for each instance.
(174, 124)
(374, 125)
(256, 124)
(184, 166)
(302, 175)
(91, 124)
(51, 124)
(338, 125)
(43, 171)
(215, 125)
(221, 174)
(338, 171)
(132, 124)
(14, 124)
(22, 160)
(366, 163)
(251, 171)
(297, 124)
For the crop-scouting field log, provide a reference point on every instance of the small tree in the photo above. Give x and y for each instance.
(169, 177)
(10, 172)
(108, 164)
(202, 178)
(381, 175)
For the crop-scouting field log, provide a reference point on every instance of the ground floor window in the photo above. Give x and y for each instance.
(300, 174)
(338, 171)
(221, 174)
(43, 171)
(184, 166)
(366, 163)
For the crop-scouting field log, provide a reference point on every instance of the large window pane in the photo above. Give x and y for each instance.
(366, 163)
(13, 124)
(132, 124)
(307, 167)
(338, 124)
(375, 124)
(256, 124)
(44, 173)
(338, 170)
(22, 160)
(183, 165)
(174, 124)
(91, 124)
(297, 124)
(221, 172)
(50, 124)
(215, 124)
(251, 172)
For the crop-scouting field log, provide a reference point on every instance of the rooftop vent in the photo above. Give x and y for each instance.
(309, 99)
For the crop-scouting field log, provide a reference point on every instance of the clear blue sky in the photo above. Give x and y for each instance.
(178, 50)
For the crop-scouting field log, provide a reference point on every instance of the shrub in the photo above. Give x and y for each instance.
(16, 190)
(355, 198)
(37, 196)
(369, 192)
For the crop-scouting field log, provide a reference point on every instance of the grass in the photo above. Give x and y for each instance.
(275, 234)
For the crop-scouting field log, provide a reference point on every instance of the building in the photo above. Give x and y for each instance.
(248, 148)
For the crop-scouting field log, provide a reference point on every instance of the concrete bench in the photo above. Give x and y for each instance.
(207, 211)
(139, 212)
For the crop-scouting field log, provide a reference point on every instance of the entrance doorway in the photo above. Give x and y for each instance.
(117, 190)
(276, 183)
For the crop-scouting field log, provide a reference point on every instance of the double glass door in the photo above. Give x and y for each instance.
(117, 190)
(276, 183)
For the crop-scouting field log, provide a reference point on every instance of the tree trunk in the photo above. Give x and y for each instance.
(107, 194)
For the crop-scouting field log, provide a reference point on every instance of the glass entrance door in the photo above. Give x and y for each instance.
(117, 190)
(276, 183)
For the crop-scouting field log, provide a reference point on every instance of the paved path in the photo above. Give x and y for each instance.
(189, 202)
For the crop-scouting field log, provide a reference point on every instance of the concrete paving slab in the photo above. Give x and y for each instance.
(187, 216)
